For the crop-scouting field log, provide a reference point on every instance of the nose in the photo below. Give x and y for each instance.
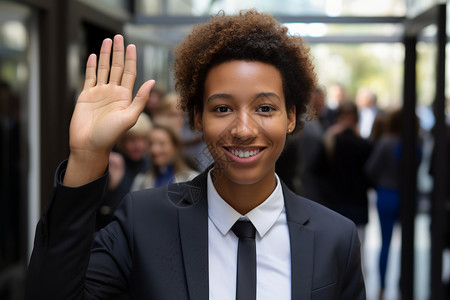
(245, 127)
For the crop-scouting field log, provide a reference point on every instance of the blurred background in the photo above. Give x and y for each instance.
(396, 50)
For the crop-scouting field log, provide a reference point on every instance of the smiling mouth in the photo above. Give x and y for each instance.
(244, 152)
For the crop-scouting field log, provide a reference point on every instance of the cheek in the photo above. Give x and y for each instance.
(213, 131)
(165, 151)
(277, 134)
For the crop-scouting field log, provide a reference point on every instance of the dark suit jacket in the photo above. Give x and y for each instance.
(157, 247)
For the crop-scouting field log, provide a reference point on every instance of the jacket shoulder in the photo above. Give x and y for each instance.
(317, 217)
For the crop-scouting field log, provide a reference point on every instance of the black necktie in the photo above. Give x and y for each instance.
(246, 267)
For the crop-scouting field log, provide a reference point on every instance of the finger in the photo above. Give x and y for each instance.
(103, 62)
(117, 60)
(129, 73)
(91, 77)
(141, 99)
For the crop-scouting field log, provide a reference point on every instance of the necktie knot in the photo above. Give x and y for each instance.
(244, 229)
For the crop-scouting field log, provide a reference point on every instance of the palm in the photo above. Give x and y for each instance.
(100, 117)
(105, 109)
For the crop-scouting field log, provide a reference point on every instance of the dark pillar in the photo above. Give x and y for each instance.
(408, 188)
(440, 183)
(55, 105)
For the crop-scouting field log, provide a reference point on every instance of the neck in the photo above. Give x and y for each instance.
(244, 197)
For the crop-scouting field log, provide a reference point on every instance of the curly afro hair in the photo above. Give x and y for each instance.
(249, 36)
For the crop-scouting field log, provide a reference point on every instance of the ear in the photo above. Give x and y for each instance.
(292, 118)
(198, 124)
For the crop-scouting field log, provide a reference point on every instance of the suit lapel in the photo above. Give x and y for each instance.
(193, 222)
(302, 246)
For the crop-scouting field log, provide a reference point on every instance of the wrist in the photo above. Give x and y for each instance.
(84, 167)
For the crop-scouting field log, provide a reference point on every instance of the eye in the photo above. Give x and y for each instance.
(265, 109)
(222, 109)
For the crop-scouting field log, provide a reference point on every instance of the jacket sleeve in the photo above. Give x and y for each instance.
(353, 282)
(63, 240)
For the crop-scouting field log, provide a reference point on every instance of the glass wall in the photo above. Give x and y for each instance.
(426, 65)
(155, 51)
(378, 67)
(286, 7)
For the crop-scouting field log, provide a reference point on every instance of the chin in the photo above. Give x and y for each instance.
(244, 177)
(245, 181)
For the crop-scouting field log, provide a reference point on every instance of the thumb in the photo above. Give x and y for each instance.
(141, 98)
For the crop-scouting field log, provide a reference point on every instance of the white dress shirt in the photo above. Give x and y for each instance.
(273, 255)
(366, 118)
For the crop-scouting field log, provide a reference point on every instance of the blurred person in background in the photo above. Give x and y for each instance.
(168, 164)
(154, 102)
(301, 164)
(336, 94)
(347, 153)
(299, 155)
(366, 100)
(312, 156)
(384, 170)
(378, 128)
(131, 159)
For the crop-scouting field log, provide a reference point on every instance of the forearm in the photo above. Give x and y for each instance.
(63, 240)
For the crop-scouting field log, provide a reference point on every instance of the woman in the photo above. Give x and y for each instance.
(384, 171)
(168, 165)
(346, 154)
(245, 84)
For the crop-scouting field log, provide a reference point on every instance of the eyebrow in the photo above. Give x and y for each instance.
(228, 96)
(267, 95)
(219, 95)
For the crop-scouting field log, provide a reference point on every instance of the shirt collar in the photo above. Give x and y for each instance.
(263, 217)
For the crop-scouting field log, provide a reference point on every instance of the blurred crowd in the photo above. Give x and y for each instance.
(349, 150)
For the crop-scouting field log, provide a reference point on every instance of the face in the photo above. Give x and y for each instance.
(244, 119)
(136, 147)
(154, 101)
(162, 150)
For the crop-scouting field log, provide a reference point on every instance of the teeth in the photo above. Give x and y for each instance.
(245, 154)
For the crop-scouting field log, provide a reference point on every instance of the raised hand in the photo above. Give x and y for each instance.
(104, 110)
